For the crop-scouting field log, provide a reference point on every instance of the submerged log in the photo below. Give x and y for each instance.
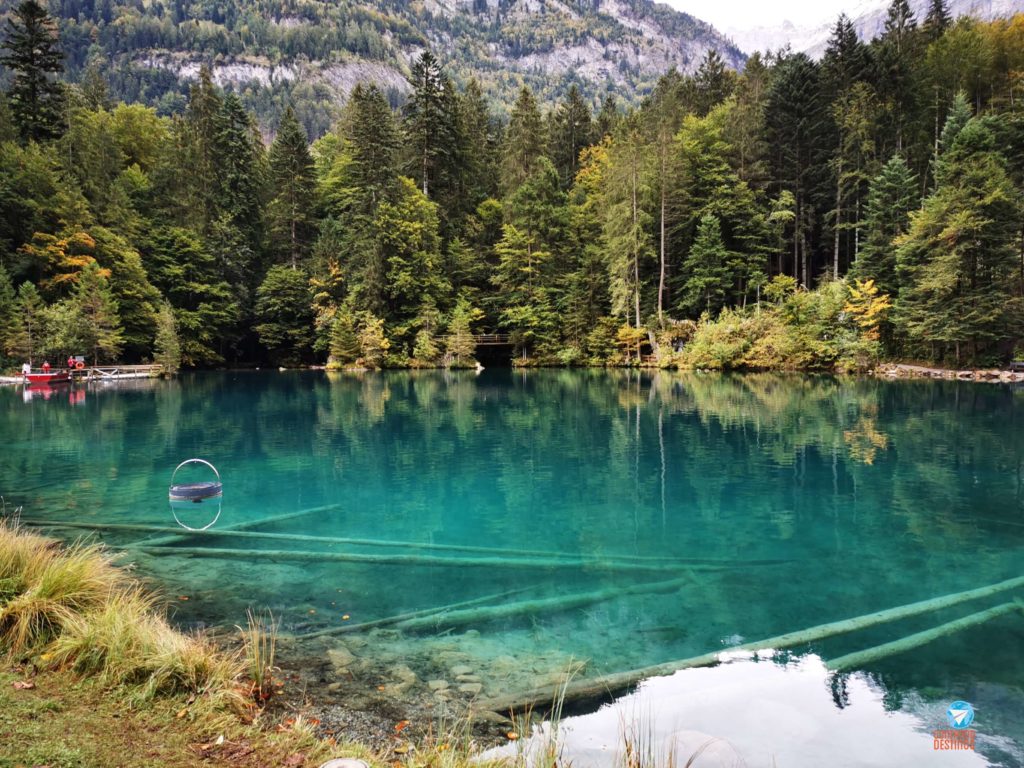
(407, 560)
(541, 605)
(605, 685)
(244, 525)
(916, 640)
(391, 620)
(643, 563)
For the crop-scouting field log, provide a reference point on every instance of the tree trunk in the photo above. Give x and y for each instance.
(661, 276)
(636, 258)
(796, 241)
(839, 214)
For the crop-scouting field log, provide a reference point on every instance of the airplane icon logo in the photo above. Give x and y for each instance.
(960, 714)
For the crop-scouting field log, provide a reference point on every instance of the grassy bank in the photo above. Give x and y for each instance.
(94, 675)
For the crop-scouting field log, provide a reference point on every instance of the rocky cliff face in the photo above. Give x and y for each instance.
(322, 49)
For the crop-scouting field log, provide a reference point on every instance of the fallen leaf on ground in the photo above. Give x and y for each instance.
(401, 726)
(293, 761)
(181, 714)
(24, 685)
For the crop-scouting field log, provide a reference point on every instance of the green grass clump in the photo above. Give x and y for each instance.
(44, 586)
(72, 607)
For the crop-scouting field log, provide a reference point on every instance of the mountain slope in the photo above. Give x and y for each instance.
(869, 20)
(279, 50)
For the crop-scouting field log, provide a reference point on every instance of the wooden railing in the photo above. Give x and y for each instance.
(487, 339)
(122, 371)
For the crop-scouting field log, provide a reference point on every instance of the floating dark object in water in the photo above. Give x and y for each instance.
(208, 489)
(196, 492)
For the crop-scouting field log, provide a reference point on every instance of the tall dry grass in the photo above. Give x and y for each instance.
(72, 607)
(259, 648)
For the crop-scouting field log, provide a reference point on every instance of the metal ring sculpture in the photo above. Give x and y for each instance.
(195, 492)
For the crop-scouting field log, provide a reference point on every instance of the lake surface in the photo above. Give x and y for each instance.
(693, 512)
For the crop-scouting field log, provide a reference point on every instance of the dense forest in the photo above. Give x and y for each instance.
(800, 214)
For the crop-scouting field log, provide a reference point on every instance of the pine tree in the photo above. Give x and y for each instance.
(369, 129)
(664, 114)
(32, 53)
(524, 141)
(373, 342)
(94, 88)
(480, 156)
(167, 346)
(526, 307)
(185, 272)
(957, 264)
(344, 340)
(627, 240)
(713, 82)
(284, 315)
(853, 111)
(958, 117)
(892, 197)
(571, 132)
(238, 162)
(410, 247)
(201, 127)
(292, 209)
(8, 314)
(607, 118)
(29, 330)
(95, 304)
(797, 122)
(707, 276)
(7, 130)
(897, 54)
(745, 128)
(431, 125)
(937, 21)
(846, 60)
(460, 345)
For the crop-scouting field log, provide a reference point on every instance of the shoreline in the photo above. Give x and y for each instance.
(894, 371)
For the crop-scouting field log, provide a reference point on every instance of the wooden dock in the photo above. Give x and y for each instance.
(118, 372)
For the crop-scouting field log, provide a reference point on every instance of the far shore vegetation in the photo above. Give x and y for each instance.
(799, 214)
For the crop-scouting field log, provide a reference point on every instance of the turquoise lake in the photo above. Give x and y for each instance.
(695, 511)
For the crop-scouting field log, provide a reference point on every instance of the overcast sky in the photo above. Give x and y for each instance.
(744, 14)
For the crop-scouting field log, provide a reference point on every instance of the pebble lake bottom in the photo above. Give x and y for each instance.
(529, 522)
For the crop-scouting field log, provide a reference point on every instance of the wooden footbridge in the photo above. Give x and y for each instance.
(486, 339)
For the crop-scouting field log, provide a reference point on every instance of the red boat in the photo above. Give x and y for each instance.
(52, 377)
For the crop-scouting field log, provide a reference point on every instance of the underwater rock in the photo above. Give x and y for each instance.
(467, 678)
(404, 678)
(471, 688)
(341, 658)
(461, 669)
(437, 685)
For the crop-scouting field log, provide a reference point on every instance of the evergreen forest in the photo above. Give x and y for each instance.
(798, 215)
